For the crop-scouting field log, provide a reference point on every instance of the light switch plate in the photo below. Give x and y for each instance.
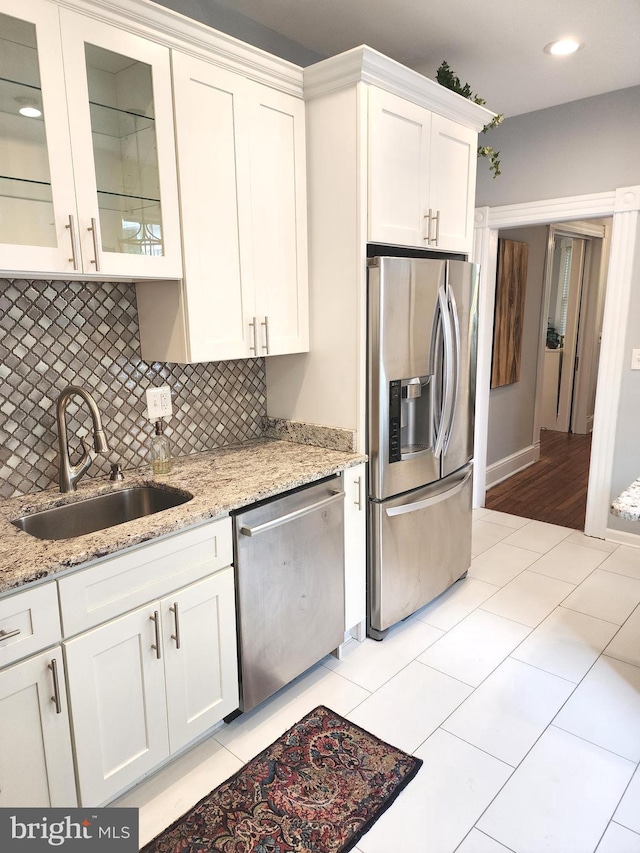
(159, 402)
(635, 359)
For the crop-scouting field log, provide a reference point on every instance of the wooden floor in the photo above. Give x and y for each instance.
(555, 488)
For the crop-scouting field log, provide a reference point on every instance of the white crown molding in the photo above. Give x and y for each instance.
(176, 31)
(365, 65)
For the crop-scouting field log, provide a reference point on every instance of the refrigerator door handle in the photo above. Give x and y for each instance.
(455, 366)
(448, 367)
(427, 502)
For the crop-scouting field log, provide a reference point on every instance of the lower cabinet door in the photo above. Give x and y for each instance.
(201, 662)
(355, 547)
(36, 763)
(117, 696)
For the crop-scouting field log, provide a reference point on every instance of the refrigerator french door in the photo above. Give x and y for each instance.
(422, 330)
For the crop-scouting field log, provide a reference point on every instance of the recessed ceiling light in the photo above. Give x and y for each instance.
(563, 47)
(29, 107)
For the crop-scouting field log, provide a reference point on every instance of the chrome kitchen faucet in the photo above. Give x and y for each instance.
(70, 474)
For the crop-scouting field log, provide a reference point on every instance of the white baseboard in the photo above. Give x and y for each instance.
(622, 537)
(510, 465)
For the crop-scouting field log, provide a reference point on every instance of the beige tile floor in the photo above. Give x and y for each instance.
(519, 688)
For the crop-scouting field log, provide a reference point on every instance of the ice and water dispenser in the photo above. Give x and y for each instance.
(410, 417)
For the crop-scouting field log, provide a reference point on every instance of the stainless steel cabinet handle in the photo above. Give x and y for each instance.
(290, 516)
(4, 635)
(427, 236)
(265, 323)
(156, 619)
(427, 502)
(437, 237)
(96, 248)
(254, 326)
(358, 501)
(72, 233)
(53, 666)
(176, 617)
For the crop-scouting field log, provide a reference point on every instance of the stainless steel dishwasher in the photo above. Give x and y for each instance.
(289, 559)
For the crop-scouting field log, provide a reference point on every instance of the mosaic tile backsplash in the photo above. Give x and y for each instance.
(57, 333)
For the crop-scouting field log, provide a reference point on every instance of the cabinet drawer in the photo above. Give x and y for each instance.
(114, 586)
(30, 622)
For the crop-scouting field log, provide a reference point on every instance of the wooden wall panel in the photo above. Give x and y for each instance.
(509, 312)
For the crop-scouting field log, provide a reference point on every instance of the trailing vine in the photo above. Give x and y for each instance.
(446, 77)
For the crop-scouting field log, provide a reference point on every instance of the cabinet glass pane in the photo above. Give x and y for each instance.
(125, 152)
(26, 207)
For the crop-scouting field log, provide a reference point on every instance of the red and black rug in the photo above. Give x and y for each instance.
(317, 789)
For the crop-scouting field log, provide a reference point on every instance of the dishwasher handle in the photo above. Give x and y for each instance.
(291, 516)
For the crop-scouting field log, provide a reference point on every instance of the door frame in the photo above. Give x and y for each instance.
(623, 205)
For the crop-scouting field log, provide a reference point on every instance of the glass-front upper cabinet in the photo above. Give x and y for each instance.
(37, 201)
(87, 159)
(121, 121)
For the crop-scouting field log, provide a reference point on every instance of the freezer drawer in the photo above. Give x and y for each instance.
(420, 544)
(289, 555)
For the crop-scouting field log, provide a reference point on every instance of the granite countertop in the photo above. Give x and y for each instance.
(627, 505)
(220, 481)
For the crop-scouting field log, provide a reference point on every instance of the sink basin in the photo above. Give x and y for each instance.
(91, 514)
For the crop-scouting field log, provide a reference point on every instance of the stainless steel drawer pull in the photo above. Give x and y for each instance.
(53, 666)
(4, 635)
(427, 502)
(156, 620)
(96, 248)
(290, 516)
(437, 240)
(176, 617)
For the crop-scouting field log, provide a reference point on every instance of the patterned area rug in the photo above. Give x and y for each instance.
(317, 789)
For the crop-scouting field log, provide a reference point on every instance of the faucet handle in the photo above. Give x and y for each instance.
(116, 472)
(88, 448)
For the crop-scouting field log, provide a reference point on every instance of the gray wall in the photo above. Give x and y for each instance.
(585, 146)
(511, 407)
(234, 24)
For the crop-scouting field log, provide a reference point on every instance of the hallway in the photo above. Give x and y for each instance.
(555, 488)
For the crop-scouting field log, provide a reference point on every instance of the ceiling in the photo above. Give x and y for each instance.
(496, 45)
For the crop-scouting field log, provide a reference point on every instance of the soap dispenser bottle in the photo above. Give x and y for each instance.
(160, 451)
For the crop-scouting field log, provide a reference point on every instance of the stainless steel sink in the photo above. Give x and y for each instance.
(91, 514)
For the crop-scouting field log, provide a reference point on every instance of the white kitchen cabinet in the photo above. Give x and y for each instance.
(169, 669)
(422, 170)
(95, 193)
(355, 550)
(200, 661)
(241, 163)
(36, 763)
(384, 144)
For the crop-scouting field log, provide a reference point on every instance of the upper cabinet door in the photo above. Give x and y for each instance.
(121, 123)
(212, 134)
(399, 143)
(279, 221)
(37, 202)
(453, 182)
(422, 176)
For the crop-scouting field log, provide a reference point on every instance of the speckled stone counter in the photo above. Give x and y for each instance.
(219, 481)
(627, 505)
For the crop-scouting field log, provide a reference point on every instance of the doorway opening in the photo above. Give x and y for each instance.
(540, 428)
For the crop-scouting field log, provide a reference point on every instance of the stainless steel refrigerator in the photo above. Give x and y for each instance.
(422, 330)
